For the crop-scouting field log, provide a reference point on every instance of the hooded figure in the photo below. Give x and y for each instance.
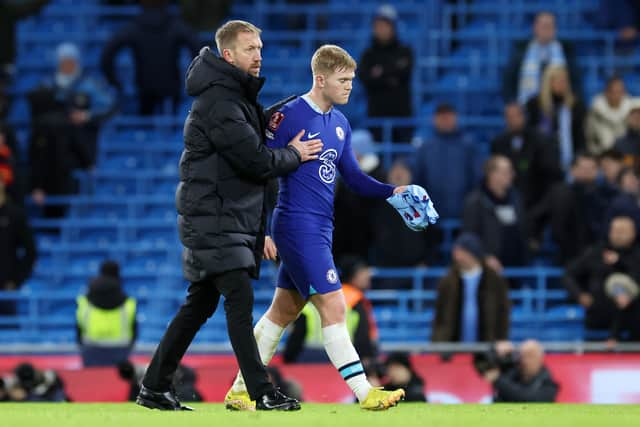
(106, 319)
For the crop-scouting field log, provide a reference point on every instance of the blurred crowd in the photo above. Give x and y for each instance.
(559, 186)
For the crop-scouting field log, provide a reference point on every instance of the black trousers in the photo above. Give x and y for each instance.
(201, 303)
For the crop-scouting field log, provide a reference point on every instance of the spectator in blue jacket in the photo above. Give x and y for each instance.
(448, 163)
(67, 110)
(155, 38)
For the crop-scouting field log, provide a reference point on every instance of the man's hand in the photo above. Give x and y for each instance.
(494, 263)
(79, 117)
(610, 257)
(400, 189)
(585, 299)
(492, 375)
(308, 150)
(38, 195)
(270, 251)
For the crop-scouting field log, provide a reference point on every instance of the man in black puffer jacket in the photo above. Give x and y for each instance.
(224, 171)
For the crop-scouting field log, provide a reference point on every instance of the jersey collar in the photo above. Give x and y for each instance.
(313, 105)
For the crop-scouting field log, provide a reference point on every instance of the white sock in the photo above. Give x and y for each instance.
(268, 336)
(345, 358)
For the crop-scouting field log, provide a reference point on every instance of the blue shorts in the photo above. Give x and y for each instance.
(307, 261)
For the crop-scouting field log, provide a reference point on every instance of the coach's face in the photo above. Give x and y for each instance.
(338, 85)
(246, 53)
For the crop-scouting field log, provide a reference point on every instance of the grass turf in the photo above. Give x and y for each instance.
(311, 415)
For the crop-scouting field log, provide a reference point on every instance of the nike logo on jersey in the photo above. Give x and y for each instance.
(312, 135)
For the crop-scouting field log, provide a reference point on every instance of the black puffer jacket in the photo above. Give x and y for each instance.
(224, 170)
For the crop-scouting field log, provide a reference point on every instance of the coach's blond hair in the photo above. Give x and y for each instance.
(330, 58)
(227, 35)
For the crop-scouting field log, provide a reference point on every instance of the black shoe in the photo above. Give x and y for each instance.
(167, 401)
(277, 401)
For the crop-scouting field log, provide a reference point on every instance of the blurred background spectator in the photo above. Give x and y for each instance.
(353, 226)
(574, 210)
(155, 38)
(29, 384)
(586, 276)
(204, 15)
(473, 302)
(522, 78)
(627, 203)
(392, 243)
(521, 376)
(533, 155)
(17, 249)
(622, 16)
(448, 147)
(67, 110)
(494, 213)
(401, 374)
(606, 121)
(11, 11)
(558, 112)
(106, 319)
(611, 163)
(629, 143)
(385, 70)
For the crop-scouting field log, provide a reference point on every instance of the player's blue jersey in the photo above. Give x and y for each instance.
(309, 191)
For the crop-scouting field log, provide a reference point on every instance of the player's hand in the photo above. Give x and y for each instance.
(270, 251)
(308, 150)
(400, 189)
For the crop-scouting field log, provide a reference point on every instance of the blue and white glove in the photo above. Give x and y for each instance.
(415, 207)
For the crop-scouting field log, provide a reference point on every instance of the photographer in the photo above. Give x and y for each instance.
(518, 377)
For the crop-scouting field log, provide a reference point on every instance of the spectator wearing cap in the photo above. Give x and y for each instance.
(533, 155)
(529, 59)
(401, 374)
(385, 71)
(445, 151)
(67, 110)
(395, 245)
(17, 248)
(156, 38)
(606, 119)
(305, 341)
(353, 225)
(629, 144)
(473, 302)
(106, 319)
(494, 212)
(593, 277)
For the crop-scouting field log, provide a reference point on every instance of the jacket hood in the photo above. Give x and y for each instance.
(207, 70)
(106, 293)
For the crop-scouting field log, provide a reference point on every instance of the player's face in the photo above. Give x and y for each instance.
(338, 86)
(246, 54)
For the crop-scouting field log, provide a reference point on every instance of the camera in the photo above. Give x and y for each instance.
(485, 361)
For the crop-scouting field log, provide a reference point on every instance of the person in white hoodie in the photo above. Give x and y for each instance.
(607, 118)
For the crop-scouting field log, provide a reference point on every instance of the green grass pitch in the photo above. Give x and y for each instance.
(311, 415)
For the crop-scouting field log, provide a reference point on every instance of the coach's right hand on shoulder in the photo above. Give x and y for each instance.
(308, 150)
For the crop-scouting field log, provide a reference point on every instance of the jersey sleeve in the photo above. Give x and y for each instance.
(357, 180)
(278, 131)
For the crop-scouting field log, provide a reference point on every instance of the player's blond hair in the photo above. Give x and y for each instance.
(227, 35)
(330, 58)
